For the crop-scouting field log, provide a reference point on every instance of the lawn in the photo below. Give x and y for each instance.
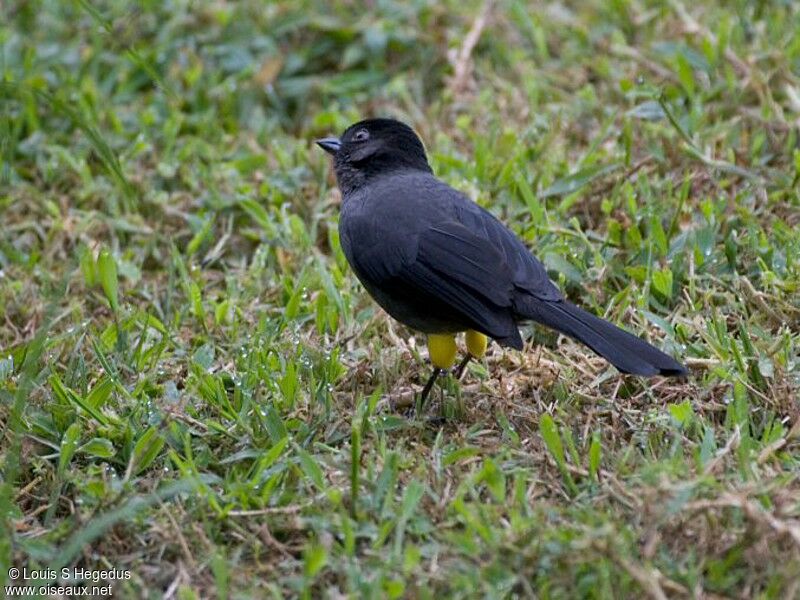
(196, 391)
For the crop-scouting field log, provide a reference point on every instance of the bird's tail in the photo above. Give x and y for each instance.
(625, 351)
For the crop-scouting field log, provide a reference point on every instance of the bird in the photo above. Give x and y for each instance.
(441, 264)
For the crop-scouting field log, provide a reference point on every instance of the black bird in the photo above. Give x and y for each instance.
(439, 263)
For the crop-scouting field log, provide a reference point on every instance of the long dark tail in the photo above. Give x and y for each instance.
(625, 351)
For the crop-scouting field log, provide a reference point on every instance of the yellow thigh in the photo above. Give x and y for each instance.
(442, 349)
(476, 343)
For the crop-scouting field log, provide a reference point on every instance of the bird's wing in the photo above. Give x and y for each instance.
(469, 261)
(527, 273)
(448, 264)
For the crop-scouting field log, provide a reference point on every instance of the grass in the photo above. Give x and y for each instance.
(195, 388)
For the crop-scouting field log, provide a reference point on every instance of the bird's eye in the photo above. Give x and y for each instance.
(362, 135)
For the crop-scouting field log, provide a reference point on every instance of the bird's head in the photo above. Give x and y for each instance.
(373, 148)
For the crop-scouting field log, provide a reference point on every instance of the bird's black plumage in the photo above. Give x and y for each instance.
(439, 263)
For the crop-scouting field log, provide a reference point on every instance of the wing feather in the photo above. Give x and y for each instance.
(448, 265)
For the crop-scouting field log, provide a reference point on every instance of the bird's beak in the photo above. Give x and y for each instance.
(331, 145)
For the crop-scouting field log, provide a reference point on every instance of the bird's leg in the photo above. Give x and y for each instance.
(476, 348)
(442, 351)
(428, 387)
(458, 372)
